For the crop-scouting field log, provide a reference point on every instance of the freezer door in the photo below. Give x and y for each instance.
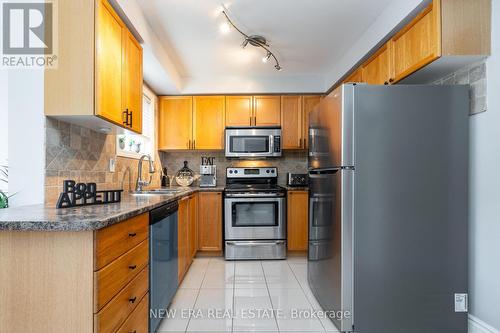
(330, 257)
(331, 131)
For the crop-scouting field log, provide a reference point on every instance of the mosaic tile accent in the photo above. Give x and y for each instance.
(475, 76)
(75, 152)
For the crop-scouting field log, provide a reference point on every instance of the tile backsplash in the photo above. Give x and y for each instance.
(78, 153)
(81, 154)
(475, 76)
(291, 161)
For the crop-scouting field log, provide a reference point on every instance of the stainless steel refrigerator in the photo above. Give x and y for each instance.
(388, 169)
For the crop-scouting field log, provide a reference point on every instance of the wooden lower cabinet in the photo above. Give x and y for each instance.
(116, 312)
(193, 226)
(210, 221)
(182, 237)
(187, 233)
(138, 321)
(76, 281)
(297, 220)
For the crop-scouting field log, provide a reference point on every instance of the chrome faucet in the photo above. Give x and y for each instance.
(140, 183)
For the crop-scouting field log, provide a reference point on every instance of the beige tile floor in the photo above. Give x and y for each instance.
(244, 296)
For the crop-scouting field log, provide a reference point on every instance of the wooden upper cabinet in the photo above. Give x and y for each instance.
(378, 69)
(118, 71)
(419, 43)
(208, 117)
(309, 103)
(109, 52)
(132, 80)
(267, 111)
(175, 123)
(292, 122)
(210, 221)
(238, 110)
(355, 77)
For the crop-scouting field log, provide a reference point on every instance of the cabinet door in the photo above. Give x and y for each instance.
(418, 44)
(238, 110)
(108, 70)
(377, 70)
(267, 111)
(132, 80)
(210, 221)
(297, 226)
(175, 127)
(292, 118)
(193, 222)
(309, 103)
(355, 77)
(208, 122)
(183, 220)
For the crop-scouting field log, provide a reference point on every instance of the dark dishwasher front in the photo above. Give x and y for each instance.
(163, 261)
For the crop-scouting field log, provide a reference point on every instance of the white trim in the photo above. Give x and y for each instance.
(476, 325)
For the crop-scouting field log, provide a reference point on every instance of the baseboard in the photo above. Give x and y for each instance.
(476, 325)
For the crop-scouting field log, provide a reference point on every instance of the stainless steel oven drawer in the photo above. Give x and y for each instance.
(256, 250)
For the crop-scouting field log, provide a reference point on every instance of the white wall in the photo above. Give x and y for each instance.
(26, 136)
(390, 18)
(3, 123)
(484, 235)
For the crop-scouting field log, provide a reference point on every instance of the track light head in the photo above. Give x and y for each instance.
(245, 43)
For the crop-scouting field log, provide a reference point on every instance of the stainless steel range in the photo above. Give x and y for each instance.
(254, 214)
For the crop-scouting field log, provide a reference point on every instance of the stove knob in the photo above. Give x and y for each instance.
(267, 171)
(272, 171)
(235, 171)
(230, 171)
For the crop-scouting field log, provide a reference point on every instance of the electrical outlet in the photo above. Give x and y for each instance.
(461, 303)
(112, 165)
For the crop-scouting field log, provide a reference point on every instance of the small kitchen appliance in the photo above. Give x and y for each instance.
(208, 172)
(252, 142)
(297, 179)
(254, 214)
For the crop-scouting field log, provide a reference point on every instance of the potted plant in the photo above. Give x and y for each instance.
(4, 178)
(121, 142)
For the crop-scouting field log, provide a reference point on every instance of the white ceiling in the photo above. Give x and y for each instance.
(308, 37)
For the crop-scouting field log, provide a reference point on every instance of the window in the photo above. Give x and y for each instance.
(135, 145)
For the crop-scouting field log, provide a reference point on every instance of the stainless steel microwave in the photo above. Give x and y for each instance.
(252, 142)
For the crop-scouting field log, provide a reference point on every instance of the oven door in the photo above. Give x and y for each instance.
(255, 218)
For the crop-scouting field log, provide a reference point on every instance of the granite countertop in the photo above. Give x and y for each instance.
(48, 218)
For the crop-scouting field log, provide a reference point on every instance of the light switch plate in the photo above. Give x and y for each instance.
(461, 303)
(112, 165)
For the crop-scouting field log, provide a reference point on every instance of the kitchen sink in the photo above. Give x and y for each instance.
(160, 191)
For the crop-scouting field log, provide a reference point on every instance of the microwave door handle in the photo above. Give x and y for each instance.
(271, 144)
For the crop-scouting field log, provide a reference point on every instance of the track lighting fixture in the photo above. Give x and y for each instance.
(254, 40)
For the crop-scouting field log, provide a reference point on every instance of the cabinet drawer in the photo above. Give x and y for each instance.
(113, 241)
(112, 316)
(109, 280)
(138, 320)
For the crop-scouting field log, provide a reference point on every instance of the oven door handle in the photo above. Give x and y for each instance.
(254, 195)
(240, 243)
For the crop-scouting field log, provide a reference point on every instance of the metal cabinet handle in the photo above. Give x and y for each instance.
(132, 234)
(132, 267)
(132, 300)
(194, 144)
(391, 80)
(131, 119)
